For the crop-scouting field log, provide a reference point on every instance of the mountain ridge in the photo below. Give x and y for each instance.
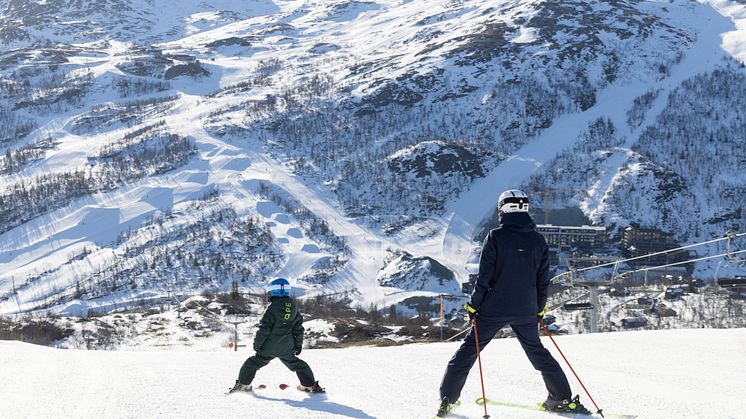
(301, 116)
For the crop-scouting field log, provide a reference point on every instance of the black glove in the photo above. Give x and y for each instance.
(297, 351)
(471, 311)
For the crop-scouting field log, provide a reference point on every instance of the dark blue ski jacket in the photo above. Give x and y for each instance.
(513, 269)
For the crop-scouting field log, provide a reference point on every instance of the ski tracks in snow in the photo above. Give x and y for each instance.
(233, 169)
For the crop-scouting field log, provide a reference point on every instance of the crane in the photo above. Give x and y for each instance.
(548, 194)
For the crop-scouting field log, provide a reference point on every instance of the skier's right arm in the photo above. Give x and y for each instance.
(487, 262)
(265, 327)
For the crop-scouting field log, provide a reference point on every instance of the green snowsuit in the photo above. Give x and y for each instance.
(280, 335)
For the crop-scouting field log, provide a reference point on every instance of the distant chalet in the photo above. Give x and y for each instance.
(638, 241)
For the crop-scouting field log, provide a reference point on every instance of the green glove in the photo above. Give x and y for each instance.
(540, 315)
(471, 311)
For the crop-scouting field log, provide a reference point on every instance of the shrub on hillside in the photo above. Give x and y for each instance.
(39, 331)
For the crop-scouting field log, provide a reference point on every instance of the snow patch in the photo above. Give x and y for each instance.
(525, 36)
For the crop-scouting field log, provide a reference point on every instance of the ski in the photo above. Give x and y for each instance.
(298, 387)
(453, 407)
(540, 407)
(253, 388)
(317, 391)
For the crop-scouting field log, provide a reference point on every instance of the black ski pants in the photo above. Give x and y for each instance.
(295, 364)
(527, 332)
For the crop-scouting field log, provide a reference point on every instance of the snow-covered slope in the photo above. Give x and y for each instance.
(163, 148)
(649, 374)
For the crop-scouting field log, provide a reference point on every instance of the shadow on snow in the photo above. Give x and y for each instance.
(320, 403)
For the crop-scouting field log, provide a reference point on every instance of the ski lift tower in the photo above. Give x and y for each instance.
(592, 285)
(235, 320)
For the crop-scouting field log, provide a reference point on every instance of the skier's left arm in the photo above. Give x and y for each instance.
(298, 333)
(542, 279)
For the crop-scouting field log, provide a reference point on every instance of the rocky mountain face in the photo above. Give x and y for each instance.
(164, 148)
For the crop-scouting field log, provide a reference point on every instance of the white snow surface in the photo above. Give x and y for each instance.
(649, 374)
(734, 42)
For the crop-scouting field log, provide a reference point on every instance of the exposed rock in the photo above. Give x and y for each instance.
(191, 70)
(418, 274)
(436, 158)
(227, 42)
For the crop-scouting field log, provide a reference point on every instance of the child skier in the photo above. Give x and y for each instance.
(280, 335)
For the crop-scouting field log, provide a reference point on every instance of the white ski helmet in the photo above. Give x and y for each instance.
(512, 200)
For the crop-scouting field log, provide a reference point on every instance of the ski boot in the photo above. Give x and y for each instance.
(566, 406)
(240, 387)
(445, 408)
(315, 388)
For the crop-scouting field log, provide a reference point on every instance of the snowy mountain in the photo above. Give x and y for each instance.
(159, 149)
(638, 373)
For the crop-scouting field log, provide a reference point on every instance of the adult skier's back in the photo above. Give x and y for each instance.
(513, 269)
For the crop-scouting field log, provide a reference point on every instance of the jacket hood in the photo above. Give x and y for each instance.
(517, 221)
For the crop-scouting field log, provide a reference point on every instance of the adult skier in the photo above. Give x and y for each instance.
(511, 289)
(280, 335)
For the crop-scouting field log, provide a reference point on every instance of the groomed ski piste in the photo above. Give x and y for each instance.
(651, 374)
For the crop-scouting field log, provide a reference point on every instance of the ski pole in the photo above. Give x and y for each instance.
(546, 329)
(479, 359)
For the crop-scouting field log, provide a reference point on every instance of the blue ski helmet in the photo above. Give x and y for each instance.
(279, 287)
